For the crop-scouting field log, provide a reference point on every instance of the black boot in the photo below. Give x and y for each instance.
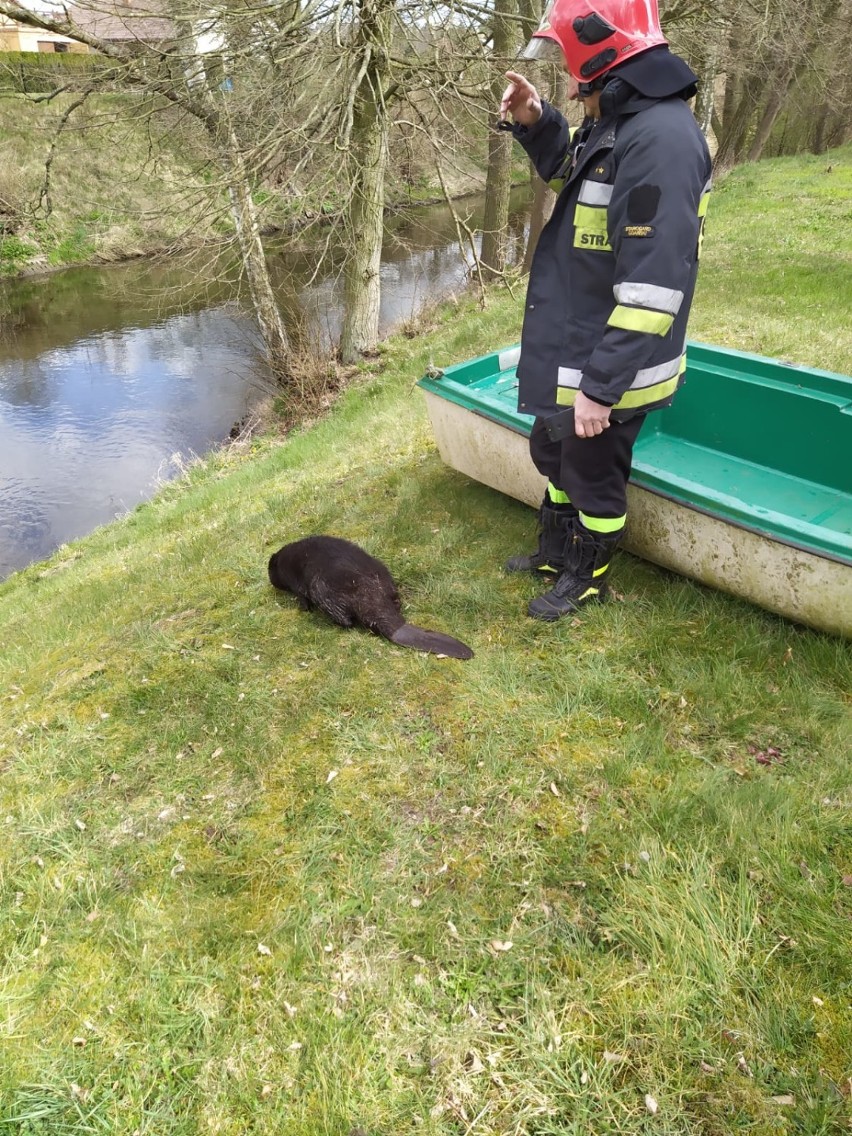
(587, 557)
(556, 526)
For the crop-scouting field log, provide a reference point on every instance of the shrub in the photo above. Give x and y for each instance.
(33, 72)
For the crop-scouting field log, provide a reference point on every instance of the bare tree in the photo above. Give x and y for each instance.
(761, 53)
(174, 71)
(365, 133)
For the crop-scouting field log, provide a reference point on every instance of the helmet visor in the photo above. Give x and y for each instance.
(543, 49)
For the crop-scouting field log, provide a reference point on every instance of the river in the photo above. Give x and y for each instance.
(112, 378)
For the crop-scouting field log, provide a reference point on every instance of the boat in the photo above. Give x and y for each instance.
(744, 483)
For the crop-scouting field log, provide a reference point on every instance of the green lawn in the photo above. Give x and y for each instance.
(262, 876)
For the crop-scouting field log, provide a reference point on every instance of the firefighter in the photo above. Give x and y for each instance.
(613, 275)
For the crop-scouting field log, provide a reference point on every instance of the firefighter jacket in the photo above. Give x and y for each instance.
(614, 271)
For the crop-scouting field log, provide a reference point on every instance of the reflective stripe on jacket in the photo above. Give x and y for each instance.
(614, 271)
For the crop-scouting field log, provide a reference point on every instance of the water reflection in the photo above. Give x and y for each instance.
(110, 378)
(86, 430)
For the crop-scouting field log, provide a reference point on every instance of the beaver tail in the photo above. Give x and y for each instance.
(433, 641)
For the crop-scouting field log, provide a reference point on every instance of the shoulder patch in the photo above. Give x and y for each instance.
(638, 230)
(643, 201)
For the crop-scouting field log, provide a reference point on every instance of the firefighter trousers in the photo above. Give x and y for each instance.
(591, 472)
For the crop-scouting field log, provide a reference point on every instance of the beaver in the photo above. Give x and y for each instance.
(350, 586)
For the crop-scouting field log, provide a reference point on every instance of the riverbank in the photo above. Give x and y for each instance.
(123, 183)
(263, 874)
(101, 199)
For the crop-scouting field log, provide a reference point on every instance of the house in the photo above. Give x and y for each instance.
(114, 21)
(19, 37)
(122, 22)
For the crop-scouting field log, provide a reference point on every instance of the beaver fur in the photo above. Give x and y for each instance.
(350, 586)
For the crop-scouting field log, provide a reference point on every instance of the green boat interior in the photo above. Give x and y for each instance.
(759, 443)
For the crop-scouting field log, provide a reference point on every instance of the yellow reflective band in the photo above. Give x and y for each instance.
(589, 592)
(603, 524)
(591, 217)
(590, 231)
(557, 496)
(641, 319)
(645, 395)
(702, 204)
(636, 396)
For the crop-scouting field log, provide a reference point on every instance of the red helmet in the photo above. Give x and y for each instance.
(595, 35)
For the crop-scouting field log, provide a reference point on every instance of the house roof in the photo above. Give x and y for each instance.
(122, 21)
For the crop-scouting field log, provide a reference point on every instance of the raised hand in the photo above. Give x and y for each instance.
(521, 100)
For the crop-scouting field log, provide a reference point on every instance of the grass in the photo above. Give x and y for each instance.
(777, 272)
(263, 876)
(109, 173)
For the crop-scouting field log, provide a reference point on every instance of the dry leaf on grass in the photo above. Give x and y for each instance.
(473, 1064)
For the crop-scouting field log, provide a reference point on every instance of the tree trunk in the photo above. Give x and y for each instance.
(729, 97)
(818, 137)
(767, 121)
(368, 161)
(705, 100)
(542, 207)
(498, 181)
(735, 128)
(264, 303)
(543, 196)
(497, 186)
